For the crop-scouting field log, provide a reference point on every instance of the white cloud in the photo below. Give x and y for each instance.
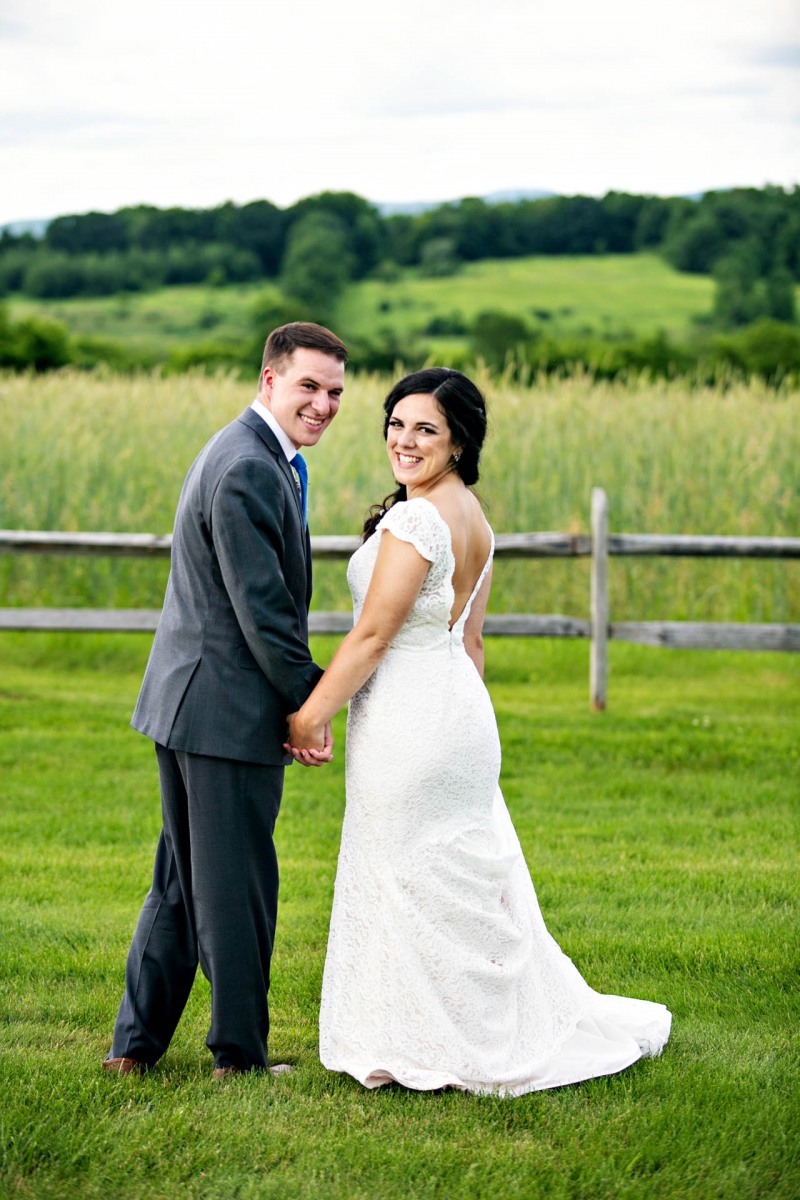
(103, 104)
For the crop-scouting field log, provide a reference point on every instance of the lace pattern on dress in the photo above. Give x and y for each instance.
(419, 523)
(440, 969)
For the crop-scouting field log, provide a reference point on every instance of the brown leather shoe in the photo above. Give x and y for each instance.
(124, 1066)
(225, 1072)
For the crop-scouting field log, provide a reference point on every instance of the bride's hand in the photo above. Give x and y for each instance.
(309, 744)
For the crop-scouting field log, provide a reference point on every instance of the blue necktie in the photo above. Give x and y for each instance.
(299, 464)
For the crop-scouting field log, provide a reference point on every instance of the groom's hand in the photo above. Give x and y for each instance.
(310, 745)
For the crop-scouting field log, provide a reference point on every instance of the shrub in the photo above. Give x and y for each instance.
(495, 335)
(446, 325)
(37, 342)
(767, 348)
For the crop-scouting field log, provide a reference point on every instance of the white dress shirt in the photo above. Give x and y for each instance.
(286, 444)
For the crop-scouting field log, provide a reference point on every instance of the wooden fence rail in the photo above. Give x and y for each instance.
(598, 628)
(508, 545)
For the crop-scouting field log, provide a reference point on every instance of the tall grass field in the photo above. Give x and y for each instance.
(662, 839)
(101, 452)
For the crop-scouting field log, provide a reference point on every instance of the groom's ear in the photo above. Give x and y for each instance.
(267, 379)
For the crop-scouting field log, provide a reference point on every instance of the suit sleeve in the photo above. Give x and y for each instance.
(247, 527)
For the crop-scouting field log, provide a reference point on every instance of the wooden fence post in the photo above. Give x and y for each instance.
(598, 661)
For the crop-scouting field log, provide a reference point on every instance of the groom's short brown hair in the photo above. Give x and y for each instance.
(282, 343)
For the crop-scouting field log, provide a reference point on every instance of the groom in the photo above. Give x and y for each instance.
(230, 660)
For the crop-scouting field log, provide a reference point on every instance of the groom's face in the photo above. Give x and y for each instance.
(304, 396)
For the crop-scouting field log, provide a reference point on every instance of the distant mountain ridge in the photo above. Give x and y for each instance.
(413, 208)
(17, 228)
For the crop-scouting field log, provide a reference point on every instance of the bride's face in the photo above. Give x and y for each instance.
(419, 442)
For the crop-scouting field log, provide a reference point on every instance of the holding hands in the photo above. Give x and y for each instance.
(309, 743)
(397, 578)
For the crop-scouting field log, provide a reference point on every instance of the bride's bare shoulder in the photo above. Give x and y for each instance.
(462, 512)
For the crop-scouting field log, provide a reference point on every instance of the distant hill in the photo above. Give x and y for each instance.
(413, 208)
(18, 228)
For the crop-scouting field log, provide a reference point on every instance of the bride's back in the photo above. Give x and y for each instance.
(470, 538)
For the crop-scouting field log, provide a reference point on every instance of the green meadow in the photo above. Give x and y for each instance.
(151, 324)
(603, 295)
(600, 294)
(662, 840)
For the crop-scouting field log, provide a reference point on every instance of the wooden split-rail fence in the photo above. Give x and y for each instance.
(600, 545)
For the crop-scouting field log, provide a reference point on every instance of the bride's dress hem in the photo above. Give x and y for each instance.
(596, 1048)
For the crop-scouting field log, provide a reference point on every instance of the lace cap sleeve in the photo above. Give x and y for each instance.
(418, 522)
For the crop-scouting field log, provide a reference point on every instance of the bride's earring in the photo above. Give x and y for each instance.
(456, 457)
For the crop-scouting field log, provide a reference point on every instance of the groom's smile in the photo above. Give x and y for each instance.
(304, 397)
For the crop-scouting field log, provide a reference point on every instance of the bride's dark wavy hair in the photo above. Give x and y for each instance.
(464, 410)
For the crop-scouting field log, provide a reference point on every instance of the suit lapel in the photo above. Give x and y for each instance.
(263, 430)
(254, 421)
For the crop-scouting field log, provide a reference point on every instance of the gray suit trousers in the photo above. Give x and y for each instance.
(213, 900)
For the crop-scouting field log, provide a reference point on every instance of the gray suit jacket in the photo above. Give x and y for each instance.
(230, 657)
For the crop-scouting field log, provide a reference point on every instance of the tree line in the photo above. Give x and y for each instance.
(747, 238)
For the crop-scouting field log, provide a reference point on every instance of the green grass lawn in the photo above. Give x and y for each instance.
(662, 840)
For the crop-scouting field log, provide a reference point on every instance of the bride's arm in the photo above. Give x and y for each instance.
(396, 582)
(473, 626)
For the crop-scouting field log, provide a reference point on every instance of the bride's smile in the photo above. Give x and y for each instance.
(419, 442)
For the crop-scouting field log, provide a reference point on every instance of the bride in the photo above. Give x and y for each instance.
(440, 971)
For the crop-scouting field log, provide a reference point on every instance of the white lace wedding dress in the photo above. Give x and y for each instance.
(440, 971)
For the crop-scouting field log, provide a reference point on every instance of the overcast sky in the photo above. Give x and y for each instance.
(109, 102)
